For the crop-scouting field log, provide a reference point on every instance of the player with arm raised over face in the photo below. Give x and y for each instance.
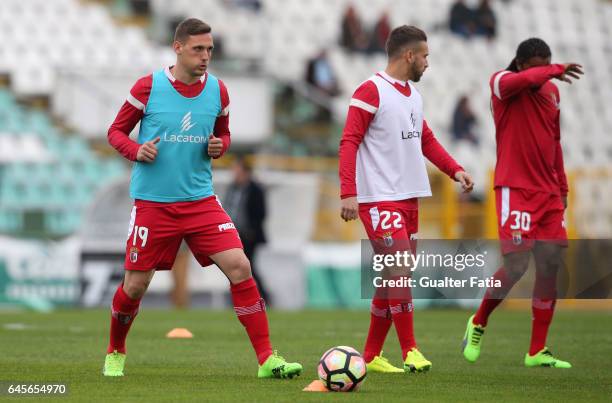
(530, 191)
(382, 176)
(184, 114)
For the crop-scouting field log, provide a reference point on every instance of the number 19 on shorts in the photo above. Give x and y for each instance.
(140, 233)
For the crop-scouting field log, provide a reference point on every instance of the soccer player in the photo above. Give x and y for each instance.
(184, 114)
(530, 191)
(382, 175)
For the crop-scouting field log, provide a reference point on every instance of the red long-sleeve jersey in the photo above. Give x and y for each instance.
(384, 141)
(133, 109)
(525, 109)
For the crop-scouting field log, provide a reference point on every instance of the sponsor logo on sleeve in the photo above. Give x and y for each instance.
(227, 226)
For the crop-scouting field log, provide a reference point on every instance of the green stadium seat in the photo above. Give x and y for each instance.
(13, 195)
(39, 123)
(6, 99)
(62, 188)
(10, 221)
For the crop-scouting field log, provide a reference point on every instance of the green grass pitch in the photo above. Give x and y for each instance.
(219, 365)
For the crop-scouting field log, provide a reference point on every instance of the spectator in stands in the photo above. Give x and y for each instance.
(140, 7)
(464, 121)
(353, 36)
(252, 5)
(320, 74)
(245, 202)
(461, 20)
(486, 22)
(381, 32)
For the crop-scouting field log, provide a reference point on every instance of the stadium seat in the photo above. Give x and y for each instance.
(44, 170)
(283, 35)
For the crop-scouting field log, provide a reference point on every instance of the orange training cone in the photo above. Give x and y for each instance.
(179, 333)
(315, 386)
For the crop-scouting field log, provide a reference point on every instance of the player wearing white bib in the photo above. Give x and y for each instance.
(383, 174)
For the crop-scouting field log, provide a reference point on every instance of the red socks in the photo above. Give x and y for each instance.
(543, 311)
(380, 323)
(251, 311)
(402, 314)
(123, 312)
(493, 297)
(249, 307)
(543, 307)
(384, 311)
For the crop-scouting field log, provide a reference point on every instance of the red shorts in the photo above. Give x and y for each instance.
(526, 216)
(157, 230)
(389, 221)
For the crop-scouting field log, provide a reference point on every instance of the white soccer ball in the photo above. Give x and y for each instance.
(342, 369)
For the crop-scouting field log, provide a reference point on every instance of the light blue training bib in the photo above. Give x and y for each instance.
(182, 169)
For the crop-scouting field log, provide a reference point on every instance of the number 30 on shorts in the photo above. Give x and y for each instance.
(522, 220)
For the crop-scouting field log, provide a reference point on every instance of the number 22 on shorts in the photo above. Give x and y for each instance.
(383, 218)
(386, 216)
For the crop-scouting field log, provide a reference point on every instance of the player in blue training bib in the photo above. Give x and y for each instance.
(182, 169)
(184, 123)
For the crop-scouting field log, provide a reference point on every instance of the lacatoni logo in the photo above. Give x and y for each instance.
(226, 226)
(412, 119)
(183, 137)
(186, 122)
(411, 135)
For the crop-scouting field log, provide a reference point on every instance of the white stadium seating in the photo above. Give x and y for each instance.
(41, 37)
(576, 30)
